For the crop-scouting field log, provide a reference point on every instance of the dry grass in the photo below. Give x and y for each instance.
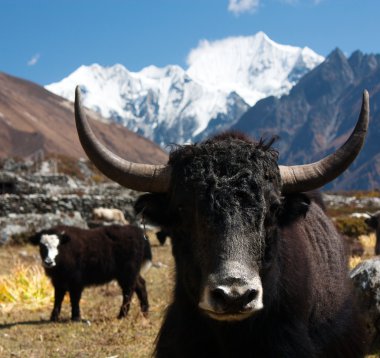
(25, 330)
(354, 261)
(368, 242)
(27, 286)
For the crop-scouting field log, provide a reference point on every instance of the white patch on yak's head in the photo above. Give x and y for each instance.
(49, 249)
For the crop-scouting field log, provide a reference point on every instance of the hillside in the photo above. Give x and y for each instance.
(32, 118)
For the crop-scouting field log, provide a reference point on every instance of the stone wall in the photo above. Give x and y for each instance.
(42, 201)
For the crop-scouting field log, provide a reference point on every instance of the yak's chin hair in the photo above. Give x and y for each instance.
(229, 317)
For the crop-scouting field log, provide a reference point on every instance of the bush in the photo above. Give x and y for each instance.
(352, 227)
(28, 286)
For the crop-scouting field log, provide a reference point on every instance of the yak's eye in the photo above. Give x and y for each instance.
(43, 250)
(275, 205)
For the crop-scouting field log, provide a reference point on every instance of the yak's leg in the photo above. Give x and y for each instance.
(127, 285)
(142, 295)
(75, 295)
(127, 296)
(377, 245)
(59, 294)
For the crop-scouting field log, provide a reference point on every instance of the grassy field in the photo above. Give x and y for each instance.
(25, 330)
(26, 299)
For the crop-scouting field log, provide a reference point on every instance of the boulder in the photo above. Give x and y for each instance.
(366, 279)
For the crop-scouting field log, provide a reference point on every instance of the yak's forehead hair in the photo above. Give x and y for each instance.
(229, 150)
(227, 165)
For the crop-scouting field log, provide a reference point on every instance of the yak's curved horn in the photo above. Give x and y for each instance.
(306, 177)
(141, 177)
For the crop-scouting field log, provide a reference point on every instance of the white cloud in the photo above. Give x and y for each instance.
(294, 2)
(34, 59)
(240, 6)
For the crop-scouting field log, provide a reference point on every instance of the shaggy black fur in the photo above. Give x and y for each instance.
(374, 223)
(93, 257)
(225, 201)
(162, 235)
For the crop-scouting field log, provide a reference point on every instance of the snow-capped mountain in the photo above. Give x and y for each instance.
(173, 105)
(253, 66)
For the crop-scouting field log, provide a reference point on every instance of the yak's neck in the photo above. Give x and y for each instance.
(219, 338)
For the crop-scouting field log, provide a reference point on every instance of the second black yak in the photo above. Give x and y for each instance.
(75, 258)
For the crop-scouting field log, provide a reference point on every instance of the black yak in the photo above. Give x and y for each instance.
(373, 222)
(75, 258)
(260, 269)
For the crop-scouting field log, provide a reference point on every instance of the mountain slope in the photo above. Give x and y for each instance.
(32, 118)
(320, 112)
(171, 105)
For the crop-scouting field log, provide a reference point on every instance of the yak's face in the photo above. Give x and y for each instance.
(49, 249)
(222, 212)
(49, 243)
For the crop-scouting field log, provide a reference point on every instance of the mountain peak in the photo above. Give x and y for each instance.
(336, 55)
(263, 37)
(174, 105)
(252, 66)
(364, 64)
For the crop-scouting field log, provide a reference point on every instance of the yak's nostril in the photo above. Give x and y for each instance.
(219, 296)
(49, 263)
(249, 296)
(233, 299)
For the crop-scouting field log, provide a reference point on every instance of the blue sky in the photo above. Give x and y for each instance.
(45, 40)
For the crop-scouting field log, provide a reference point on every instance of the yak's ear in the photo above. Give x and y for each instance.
(293, 207)
(372, 221)
(154, 207)
(35, 239)
(63, 238)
